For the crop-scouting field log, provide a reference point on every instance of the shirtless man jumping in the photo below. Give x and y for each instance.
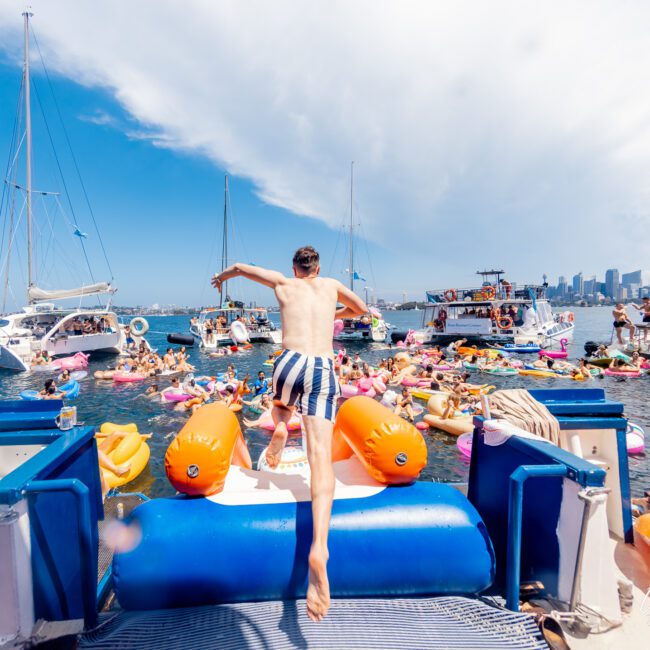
(304, 373)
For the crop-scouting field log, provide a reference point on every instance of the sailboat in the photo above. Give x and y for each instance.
(216, 326)
(370, 326)
(42, 326)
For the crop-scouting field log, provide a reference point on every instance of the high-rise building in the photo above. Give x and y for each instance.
(562, 286)
(631, 278)
(590, 286)
(578, 284)
(612, 282)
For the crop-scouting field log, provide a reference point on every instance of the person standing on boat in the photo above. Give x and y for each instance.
(506, 287)
(621, 321)
(304, 373)
(645, 308)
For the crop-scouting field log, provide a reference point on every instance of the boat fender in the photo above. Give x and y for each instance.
(180, 339)
(391, 450)
(139, 326)
(198, 459)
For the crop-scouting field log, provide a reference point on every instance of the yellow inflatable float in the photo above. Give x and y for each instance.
(456, 425)
(131, 450)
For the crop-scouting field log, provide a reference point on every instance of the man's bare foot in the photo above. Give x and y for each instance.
(318, 591)
(276, 446)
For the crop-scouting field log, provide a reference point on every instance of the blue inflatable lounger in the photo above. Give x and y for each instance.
(250, 541)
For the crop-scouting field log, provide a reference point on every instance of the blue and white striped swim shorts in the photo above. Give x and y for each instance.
(309, 381)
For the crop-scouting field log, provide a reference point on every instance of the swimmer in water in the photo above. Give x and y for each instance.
(308, 307)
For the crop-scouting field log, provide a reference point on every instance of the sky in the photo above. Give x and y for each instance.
(508, 134)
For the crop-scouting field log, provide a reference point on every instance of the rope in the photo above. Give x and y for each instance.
(65, 186)
(74, 159)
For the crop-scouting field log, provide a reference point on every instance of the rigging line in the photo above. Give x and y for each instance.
(51, 238)
(14, 234)
(11, 164)
(65, 186)
(365, 241)
(74, 158)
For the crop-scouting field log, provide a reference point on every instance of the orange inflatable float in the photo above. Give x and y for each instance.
(199, 457)
(391, 450)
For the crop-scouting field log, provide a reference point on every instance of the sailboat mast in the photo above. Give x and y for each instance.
(28, 155)
(351, 269)
(224, 243)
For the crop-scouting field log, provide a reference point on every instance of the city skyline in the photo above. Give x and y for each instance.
(616, 285)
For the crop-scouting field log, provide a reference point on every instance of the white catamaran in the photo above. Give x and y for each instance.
(370, 326)
(496, 311)
(231, 323)
(43, 326)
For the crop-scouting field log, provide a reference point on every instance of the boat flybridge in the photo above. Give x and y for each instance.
(214, 326)
(494, 311)
(42, 326)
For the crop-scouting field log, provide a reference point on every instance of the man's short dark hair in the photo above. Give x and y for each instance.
(306, 259)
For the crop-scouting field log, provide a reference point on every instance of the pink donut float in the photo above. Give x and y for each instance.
(622, 373)
(177, 397)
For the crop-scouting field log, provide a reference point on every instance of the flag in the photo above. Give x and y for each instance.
(356, 276)
(81, 235)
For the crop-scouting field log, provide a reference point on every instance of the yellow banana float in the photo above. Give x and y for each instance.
(132, 450)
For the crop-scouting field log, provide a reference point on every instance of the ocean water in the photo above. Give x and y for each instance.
(104, 401)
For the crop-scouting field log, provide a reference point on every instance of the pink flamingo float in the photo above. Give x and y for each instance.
(557, 354)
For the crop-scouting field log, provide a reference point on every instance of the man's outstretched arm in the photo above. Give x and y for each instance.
(352, 305)
(255, 273)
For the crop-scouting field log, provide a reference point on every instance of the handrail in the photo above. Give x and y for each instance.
(81, 494)
(515, 511)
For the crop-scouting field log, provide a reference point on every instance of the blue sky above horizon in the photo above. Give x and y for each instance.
(474, 146)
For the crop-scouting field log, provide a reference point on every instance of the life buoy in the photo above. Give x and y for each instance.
(570, 317)
(488, 292)
(139, 326)
(238, 332)
(504, 322)
(450, 295)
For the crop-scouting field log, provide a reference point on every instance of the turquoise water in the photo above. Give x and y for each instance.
(105, 401)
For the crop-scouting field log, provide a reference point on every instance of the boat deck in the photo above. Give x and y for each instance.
(444, 622)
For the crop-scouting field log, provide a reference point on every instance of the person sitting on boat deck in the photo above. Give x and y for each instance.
(622, 321)
(221, 323)
(77, 327)
(644, 307)
(405, 403)
(308, 307)
(261, 385)
(506, 287)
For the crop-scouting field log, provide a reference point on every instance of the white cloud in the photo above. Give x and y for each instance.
(513, 133)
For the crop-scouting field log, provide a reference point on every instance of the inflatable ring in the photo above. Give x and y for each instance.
(488, 292)
(450, 295)
(139, 326)
(505, 322)
(238, 332)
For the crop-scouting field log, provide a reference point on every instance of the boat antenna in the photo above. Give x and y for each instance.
(28, 156)
(351, 269)
(224, 242)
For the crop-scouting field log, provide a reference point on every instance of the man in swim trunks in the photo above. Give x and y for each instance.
(304, 374)
(622, 320)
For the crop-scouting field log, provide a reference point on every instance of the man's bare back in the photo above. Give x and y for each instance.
(307, 310)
